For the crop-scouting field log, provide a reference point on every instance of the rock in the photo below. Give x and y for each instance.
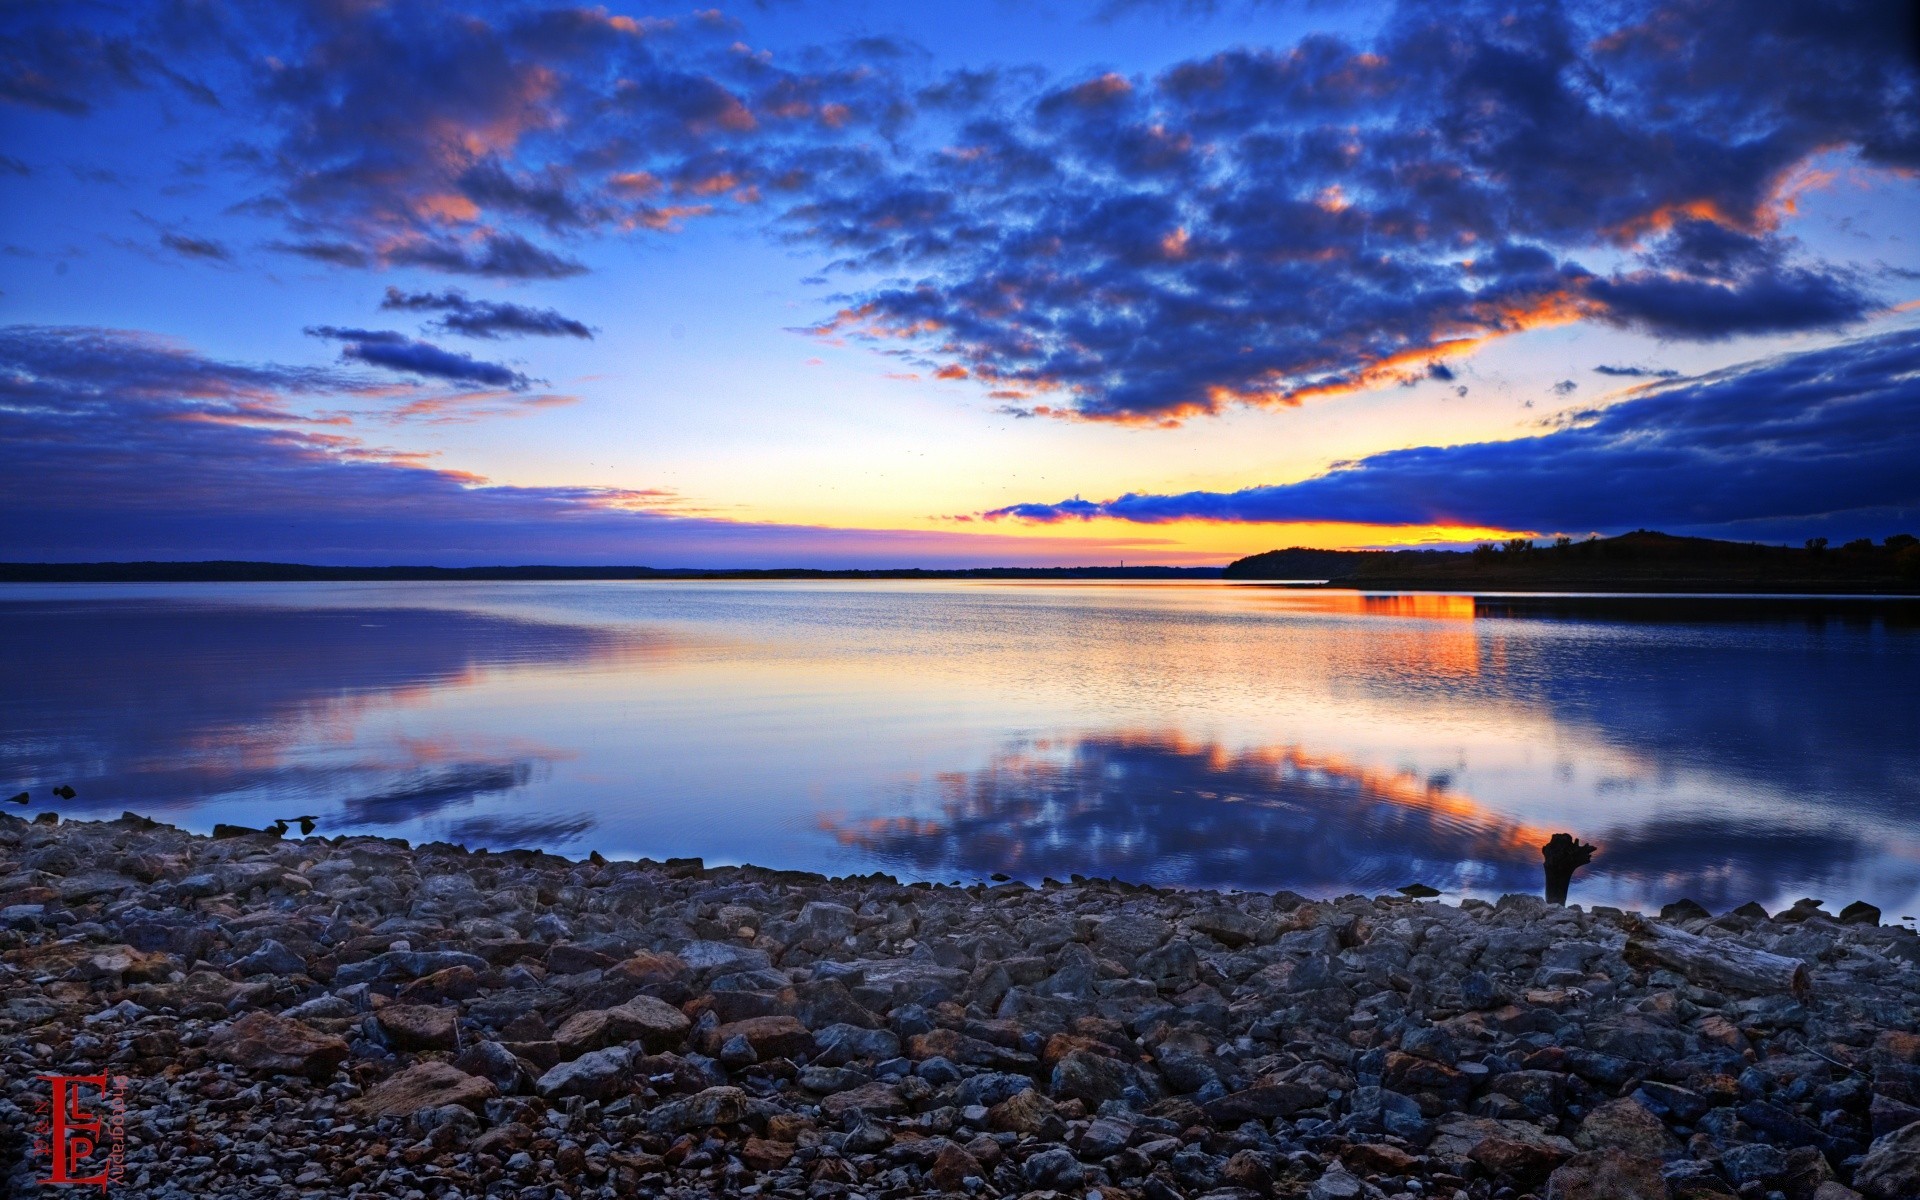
(403, 965)
(266, 1044)
(1626, 1125)
(1094, 1078)
(874, 1099)
(271, 958)
(1891, 1170)
(654, 1023)
(1337, 1183)
(597, 1075)
(760, 1154)
(1230, 927)
(1054, 1169)
(837, 1045)
(1860, 913)
(1249, 1172)
(953, 1166)
(825, 920)
(713, 1107)
(415, 1027)
(1022, 1112)
(1684, 910)
(496, 1064)
(770, 1037)
(1608, 1174)
(1130, 936)
(424, 1086)
(722, 958)
(1523, 1162)
(1262, 1102)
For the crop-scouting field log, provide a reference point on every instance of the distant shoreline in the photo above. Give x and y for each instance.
(266, 572)
(1642, 562)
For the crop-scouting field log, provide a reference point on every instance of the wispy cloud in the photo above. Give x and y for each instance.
(398, 352)
(120, 445)
(485, 318)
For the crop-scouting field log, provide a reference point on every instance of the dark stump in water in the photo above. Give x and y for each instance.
(1563, 855)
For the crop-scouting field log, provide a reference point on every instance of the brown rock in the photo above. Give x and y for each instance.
(1899, 1044)
(1524, 1163)
(1249, 1171)
(422, 1086)
(951, 1167)
(450, 983)
(1022, 1112)
(876, 1099)
(648, 967)
(266, 1044)
(654, 1023)
(1624, 1125)
(1608, 1175)
(1377, 1158)
(770, 1037)
(415, 1027)
(1062, 1044)
(787, 1127)
(760, 1154)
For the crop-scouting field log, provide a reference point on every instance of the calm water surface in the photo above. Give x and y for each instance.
(1208, 734)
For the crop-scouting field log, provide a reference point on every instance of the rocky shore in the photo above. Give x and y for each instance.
(352, 1016)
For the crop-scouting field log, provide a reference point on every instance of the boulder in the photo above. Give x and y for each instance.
(1891, 1170)
(266, 1044)
(596, 1076)
(655, 1024)
(424, 1086)
(1608, 1174)
(415, 1027)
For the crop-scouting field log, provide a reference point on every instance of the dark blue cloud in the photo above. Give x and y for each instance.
(1257, 226)
(1828, 435)
(485, 318)
(195, 247)
(1265, 225)
(398, 352)
(1636, 372)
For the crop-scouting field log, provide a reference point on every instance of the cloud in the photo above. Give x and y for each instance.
(492, 254)
(1825, 435)
(1268, 225)
(398, 352)
(485, 318)
(122, 446)
(469, 138)
(193, 247)
(59, 67)
(1636, 372)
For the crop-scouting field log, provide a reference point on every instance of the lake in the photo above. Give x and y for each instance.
(1206, 734)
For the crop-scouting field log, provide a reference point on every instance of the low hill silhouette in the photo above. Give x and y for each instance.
(1641, 561)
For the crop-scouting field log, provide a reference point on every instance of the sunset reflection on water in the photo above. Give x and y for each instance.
(1186, 734)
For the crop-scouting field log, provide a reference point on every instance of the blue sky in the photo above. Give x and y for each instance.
(862, 284)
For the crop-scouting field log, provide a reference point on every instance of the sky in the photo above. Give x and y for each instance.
(799, 283)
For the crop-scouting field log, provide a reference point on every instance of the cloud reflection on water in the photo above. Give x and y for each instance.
(1160, 808)
(1164, 809)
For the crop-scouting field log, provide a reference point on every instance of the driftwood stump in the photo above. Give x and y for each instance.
(1563, 855)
